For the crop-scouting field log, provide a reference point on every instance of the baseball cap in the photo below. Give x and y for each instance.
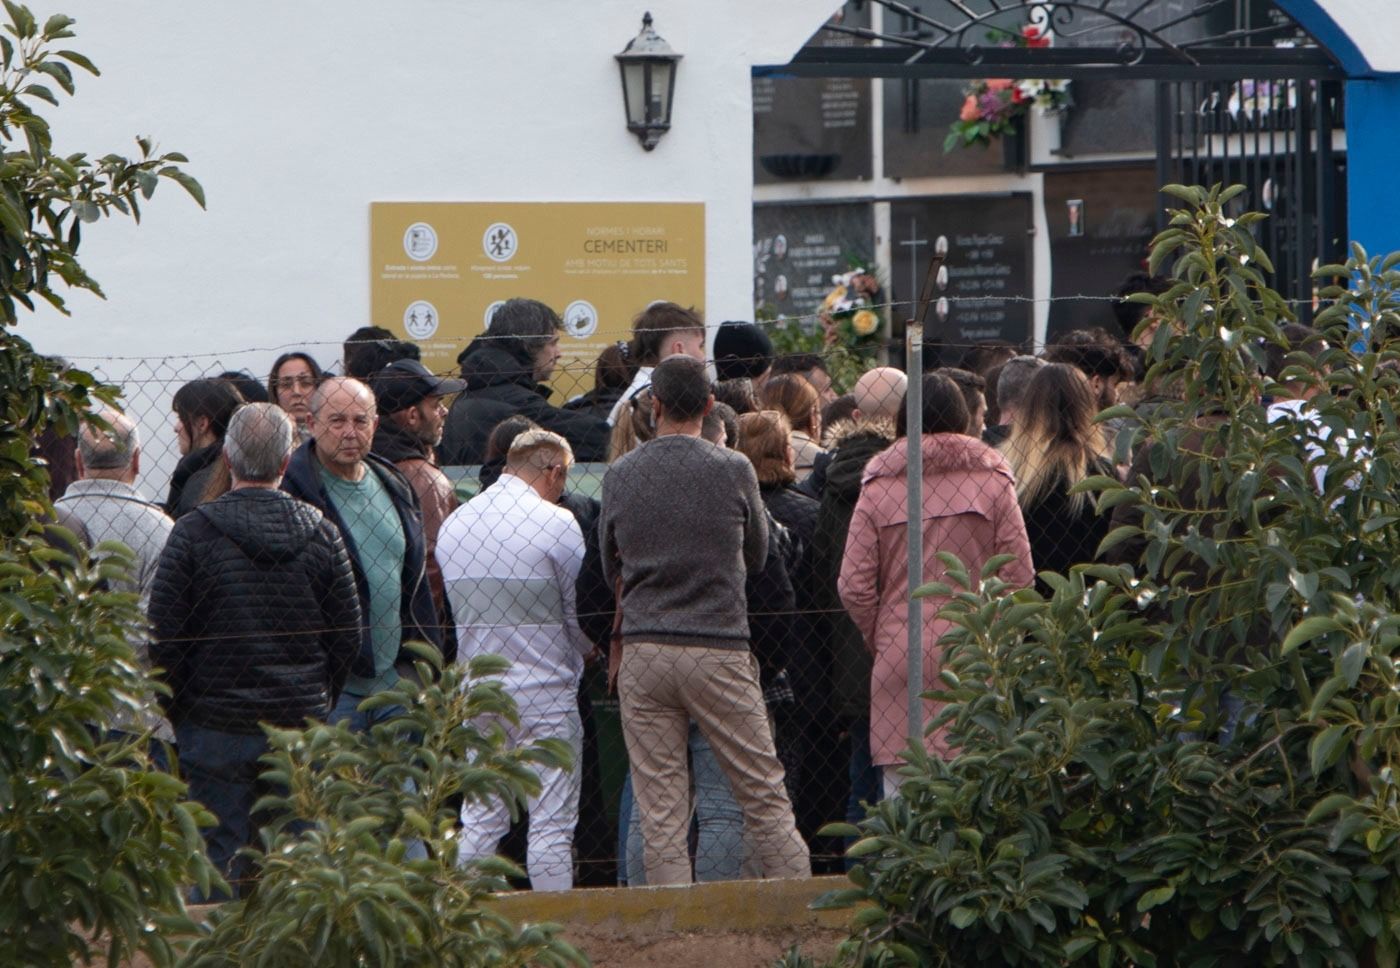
(406, 383)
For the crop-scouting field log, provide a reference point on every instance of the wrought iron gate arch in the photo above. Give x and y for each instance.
(1244, 93)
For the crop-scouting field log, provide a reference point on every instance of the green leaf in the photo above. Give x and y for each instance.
(1328, 806)
(1352, 661)
(1154, 897)
(1309, 629)
(1327, 747)
(960, 917)
(186, 182)
(73, 57)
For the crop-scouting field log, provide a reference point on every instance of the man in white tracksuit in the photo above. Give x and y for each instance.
(510, 558)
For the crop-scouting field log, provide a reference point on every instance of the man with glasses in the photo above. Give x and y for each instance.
(510, 558)
(378, 515)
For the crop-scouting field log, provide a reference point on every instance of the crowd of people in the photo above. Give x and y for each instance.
(742, 577)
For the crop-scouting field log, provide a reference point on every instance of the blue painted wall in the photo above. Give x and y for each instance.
(1373, 133)
(1373, 163)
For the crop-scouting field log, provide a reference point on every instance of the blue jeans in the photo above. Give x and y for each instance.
(222, 772)
(720, 849)
(865, 778)
(347, 710)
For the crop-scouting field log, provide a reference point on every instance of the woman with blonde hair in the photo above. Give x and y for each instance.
(798, 401)
(1054, 445)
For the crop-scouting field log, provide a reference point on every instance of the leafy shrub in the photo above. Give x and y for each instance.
(93, 845)
(348, 891)
(1188, 758)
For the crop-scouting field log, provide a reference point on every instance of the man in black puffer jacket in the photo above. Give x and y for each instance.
(505, 369)
(256, 620)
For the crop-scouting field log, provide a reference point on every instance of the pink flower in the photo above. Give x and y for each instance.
(999, 83)
(969, 109)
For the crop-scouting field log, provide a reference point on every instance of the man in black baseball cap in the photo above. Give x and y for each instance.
(411, 417)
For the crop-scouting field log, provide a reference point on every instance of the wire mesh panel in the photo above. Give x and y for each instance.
(707, 602)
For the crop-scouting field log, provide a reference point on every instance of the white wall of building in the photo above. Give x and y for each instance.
(296, 116)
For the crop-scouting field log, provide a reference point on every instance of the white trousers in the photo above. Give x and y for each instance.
(553, 813)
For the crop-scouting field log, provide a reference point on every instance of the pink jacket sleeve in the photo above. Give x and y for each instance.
(1011, 539)
(859, 584)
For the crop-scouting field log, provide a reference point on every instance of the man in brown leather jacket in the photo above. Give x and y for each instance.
(412, 415)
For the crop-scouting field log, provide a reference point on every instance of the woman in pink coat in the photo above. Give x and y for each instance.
(969, 509)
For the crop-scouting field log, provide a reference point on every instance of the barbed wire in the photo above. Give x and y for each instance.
(765, 322)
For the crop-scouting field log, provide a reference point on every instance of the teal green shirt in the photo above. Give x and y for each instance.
(377, 531)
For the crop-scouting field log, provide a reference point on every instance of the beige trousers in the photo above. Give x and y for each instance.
(663, 688)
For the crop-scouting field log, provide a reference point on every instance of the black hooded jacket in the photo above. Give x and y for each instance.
(254, 613)
(854, 445)
(190, 479)
(421, 622)
(501, 383)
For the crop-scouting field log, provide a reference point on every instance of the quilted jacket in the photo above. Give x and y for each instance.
(254, 613)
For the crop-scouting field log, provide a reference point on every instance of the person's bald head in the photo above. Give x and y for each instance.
(113, 454)
(880, 392)
(343, 420)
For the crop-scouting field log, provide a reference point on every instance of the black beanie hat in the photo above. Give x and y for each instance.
(741, 350)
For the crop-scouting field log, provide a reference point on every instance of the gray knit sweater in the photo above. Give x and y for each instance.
(682, 523)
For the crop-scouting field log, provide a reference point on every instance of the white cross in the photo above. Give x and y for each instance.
(913, 243)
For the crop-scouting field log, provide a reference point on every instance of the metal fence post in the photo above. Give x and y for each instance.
(914, 421)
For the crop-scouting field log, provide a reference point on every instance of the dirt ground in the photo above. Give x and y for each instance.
(707, 950)
(691, 950)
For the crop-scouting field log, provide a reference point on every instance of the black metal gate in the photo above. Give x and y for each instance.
(1280, 137)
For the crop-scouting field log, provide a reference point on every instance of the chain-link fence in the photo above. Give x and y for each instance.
(710, 606)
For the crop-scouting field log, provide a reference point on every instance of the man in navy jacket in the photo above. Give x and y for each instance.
(377, 514)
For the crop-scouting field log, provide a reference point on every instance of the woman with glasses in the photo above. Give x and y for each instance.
(294, 376)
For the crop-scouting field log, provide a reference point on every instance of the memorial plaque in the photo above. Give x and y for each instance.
(798, 248)
(917, 116)
(807, 128)
(1101, 222)
(984, 291)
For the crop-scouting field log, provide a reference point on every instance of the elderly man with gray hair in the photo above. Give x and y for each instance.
(104, 500)
(510, 558)
(257, 620)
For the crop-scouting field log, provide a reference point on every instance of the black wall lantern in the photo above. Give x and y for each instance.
(648, 82)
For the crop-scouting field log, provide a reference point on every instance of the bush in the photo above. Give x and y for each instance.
(340, 886)
(93, 846)
(1187, 758)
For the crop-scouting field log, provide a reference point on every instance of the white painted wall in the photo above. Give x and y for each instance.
(1374, 26)
(297, 115)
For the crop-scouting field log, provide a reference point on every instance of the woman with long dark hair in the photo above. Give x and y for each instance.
(202, 412)
(293, 378)
(1054, 445)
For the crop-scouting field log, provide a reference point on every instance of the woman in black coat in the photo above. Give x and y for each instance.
(818, 762)
(1055, 444)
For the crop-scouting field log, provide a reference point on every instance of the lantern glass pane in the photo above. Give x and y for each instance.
(662, 77)
(634, 92)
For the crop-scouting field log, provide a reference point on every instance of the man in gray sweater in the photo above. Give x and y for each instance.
(682, 522)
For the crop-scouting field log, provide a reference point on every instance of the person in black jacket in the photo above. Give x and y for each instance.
(255, 621)
(1054, 445)
(809, 737)
(377, 512)
(505, 369)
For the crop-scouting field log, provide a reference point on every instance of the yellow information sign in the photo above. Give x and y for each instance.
(439, 269)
